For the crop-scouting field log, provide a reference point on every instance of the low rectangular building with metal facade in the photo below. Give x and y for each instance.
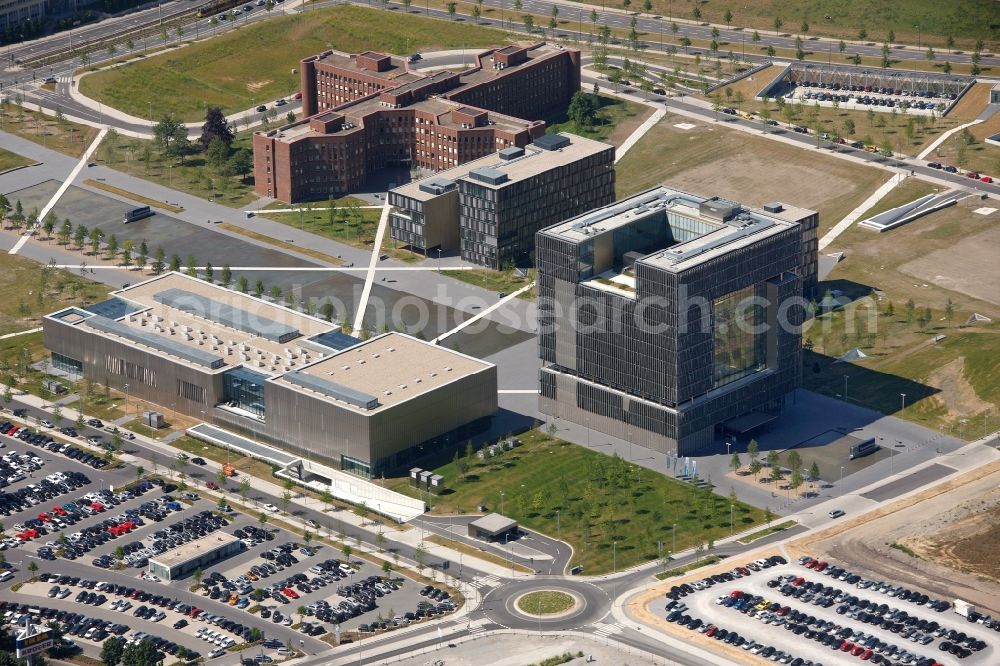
(490, 209)
(192, 347)
(198, 554)
(666, 314)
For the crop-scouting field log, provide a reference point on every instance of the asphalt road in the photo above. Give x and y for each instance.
(554, 556)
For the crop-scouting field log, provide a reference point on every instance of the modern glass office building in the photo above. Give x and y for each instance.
(668, 317)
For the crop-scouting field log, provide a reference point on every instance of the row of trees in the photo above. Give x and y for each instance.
(793, 462)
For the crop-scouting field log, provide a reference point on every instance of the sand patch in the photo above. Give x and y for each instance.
(255, 86)
(957, 394)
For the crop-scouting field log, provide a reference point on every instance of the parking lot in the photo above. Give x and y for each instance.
(823, 614)
(98, 551)
(864, 97)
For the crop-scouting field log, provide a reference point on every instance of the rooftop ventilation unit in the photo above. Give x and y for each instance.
(552, 141)
(488, 175)
(511, 153)
(436, 186)
(773, 207)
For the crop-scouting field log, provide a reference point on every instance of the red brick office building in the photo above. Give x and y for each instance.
(369, 111)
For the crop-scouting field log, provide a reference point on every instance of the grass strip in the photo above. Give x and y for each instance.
(750, 538)
(133, 196)
(282, 244)
(679, 571)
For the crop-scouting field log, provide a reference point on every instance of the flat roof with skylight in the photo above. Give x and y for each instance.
(381, 372)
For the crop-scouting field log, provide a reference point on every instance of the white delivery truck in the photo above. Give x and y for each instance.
(964, 608)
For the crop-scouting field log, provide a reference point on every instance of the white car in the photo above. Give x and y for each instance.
(46, 423)
(5, 576)
(271, 508)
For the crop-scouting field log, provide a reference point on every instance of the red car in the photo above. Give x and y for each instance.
(785, 610)
(846, 646)
(973, 174)
(45, 518)
(97, 506)
(798, 581)
(736, 594)
(866, 655)
(212, 485)
(290, 593)
(986, 179)
(819, 566)
(857, 650)
(59, 511)
(297, 95)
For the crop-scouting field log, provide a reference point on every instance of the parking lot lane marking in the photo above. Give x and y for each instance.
(62, 189)
(484, 313)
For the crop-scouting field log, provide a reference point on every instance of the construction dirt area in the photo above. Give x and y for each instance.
(944, 540)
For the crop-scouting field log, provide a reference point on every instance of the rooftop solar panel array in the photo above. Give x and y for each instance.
(226, 315)
(166, 345)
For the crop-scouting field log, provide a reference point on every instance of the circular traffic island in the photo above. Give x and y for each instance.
(547, 603)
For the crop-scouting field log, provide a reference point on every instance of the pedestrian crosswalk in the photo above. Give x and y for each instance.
(476, 629)
(605, 630)
(480, 582)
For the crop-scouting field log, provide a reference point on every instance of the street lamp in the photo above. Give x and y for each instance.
(501, 502)
(126, 398)
(557, 526)
(902, 401)
(846, 377)
(673, 540)
(841, 473)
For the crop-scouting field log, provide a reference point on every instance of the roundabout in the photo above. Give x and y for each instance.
(553, 602)
(547, 603)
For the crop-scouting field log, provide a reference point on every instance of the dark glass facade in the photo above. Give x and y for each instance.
(244, 389)
(67, 364)
(644, 345)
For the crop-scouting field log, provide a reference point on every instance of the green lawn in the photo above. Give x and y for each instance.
(498, 281)
(60, 135)
(907, 191)
(29, 290)
(767, 531)
(9, 160)
(347, 224)
(260, 63)
(192, 175)
(601, 501)
(966, 20)
(611, 113)
(545, 602)
(105, 407)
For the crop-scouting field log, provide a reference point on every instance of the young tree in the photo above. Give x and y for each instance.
(452, 8)
(735, 463)
(168, 133)
(242, 163)
(158, 263)
(227, 275)
(111, 248)
(814, 471)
